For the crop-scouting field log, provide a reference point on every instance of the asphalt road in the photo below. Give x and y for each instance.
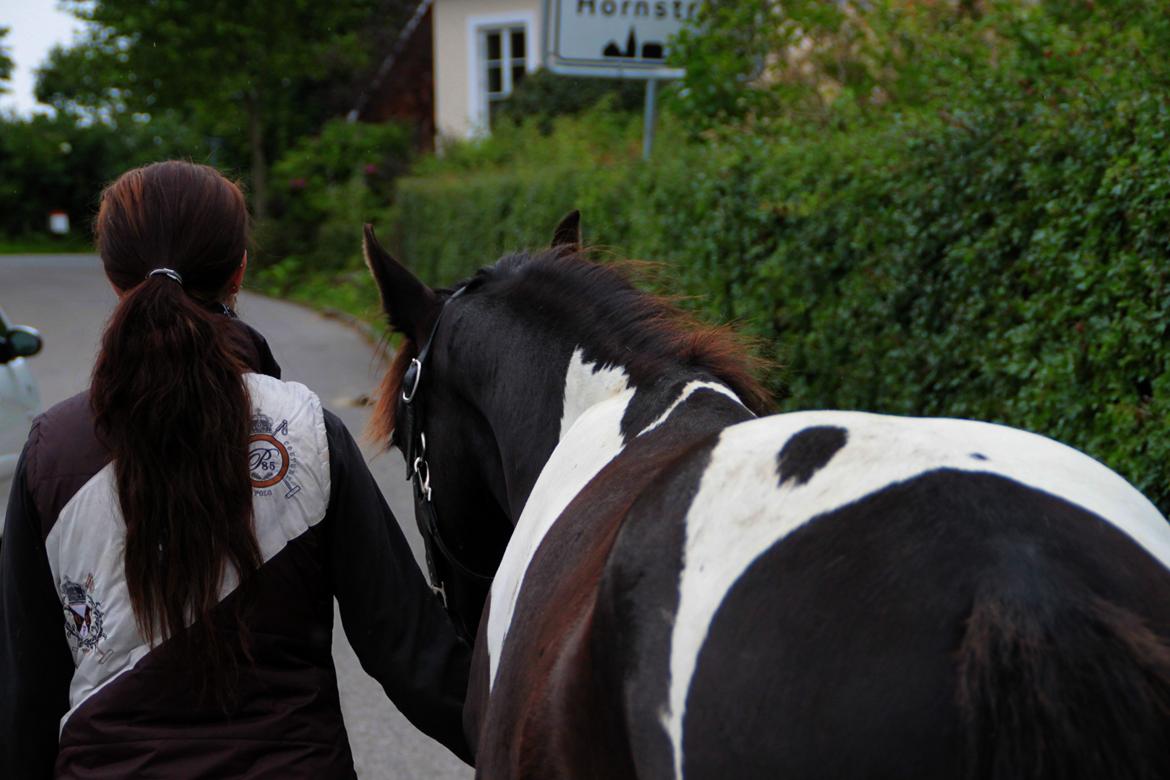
(67, 298)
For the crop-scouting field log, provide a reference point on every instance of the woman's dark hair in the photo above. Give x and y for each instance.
(170, 402)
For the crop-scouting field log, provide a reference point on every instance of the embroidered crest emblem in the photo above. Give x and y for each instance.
(84, 619)
(271, 458)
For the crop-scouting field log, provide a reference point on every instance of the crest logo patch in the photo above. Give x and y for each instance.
(271, 457)
(84, 619)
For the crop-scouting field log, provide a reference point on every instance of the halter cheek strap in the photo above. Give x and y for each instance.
(416, 444)
(419, 472)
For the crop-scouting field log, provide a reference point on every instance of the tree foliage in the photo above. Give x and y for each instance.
(6, 63)
(51, 162)
(327, 185)
(780, 68)
(257, 74)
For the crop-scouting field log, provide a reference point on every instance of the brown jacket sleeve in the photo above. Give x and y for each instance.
(35, 663)
(394, 622)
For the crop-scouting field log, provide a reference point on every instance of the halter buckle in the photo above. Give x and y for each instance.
(416, 367)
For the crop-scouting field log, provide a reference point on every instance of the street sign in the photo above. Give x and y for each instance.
(625, 39)
(58, 223)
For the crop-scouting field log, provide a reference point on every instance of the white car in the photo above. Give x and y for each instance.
(20, 400)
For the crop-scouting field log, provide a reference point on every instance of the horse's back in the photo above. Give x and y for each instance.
(840, 594)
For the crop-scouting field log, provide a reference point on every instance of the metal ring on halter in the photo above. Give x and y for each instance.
(170, 273)
(408, 395)
(422, 472)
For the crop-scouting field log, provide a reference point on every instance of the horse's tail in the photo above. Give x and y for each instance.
(1061, 685)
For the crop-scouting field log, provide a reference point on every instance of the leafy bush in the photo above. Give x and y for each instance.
(543, 96)
(1000, 255)
(325, 187)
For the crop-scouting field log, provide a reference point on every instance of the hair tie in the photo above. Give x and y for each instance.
(167, 272)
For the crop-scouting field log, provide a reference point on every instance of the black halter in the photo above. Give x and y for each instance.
(419, 472)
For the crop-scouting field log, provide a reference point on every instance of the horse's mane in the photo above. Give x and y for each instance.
(616, 321)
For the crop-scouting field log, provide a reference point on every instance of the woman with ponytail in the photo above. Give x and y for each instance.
(176, 536)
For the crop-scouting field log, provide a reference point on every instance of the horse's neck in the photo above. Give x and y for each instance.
(603, 414)
(601, 411)
(528, 429)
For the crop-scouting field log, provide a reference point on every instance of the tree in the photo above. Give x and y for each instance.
(256, 73)
(5, 61)
(52, 162)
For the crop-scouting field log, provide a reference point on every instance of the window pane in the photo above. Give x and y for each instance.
(495, 78)
(518, 44)
(518, 74)
(493, 45)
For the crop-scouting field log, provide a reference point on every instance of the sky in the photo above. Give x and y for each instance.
(36, 25)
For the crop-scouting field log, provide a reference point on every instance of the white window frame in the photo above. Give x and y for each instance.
(477, 109)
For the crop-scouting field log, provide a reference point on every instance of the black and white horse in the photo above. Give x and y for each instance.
(683, 588)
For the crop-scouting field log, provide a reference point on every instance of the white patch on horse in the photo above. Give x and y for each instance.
(595, 400)
(587, 384)
(740, 510)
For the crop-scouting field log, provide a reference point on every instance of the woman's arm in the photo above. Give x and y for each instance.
(35, 664)
(395, 624)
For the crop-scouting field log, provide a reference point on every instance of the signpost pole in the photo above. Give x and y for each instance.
(649, 118)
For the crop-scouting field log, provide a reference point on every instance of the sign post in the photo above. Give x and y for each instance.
(618, 39)
(650, 115)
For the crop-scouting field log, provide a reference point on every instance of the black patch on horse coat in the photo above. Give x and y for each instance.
(650, 401)
(565, 681)
(808, 452)
(978, 456)
(836, 652)
(641, 599)
(639, 591)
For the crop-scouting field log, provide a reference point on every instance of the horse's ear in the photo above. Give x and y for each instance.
(568, 232)
(409, 304)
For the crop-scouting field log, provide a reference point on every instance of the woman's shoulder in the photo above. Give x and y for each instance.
(63, 453)
(63, 440)
(288, 434)
(290, 401)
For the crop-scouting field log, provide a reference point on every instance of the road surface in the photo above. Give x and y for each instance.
(67, 298)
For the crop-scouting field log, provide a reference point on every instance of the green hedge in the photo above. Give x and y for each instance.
(323, 189)
(322, 186)
(1007, 264)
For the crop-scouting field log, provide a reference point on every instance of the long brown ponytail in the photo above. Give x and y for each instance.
(169, 401)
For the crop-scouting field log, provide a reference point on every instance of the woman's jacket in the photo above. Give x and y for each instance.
(83, 695)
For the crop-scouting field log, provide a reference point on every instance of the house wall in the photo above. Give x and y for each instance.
(460, 110)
